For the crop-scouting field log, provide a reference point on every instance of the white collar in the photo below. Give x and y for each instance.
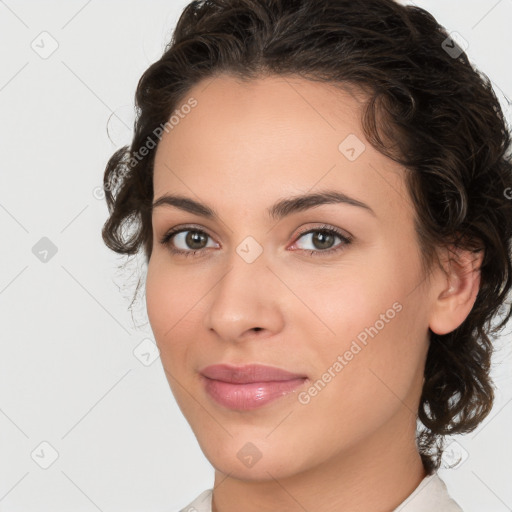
(431, 494)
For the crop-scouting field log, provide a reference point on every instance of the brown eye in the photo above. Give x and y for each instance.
(186, 241)
(195, 239)
(323, 240)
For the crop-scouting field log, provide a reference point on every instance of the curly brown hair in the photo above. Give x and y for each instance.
(427, 108)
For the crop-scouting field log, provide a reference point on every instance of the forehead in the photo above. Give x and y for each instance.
(269, 138)
(283, 106)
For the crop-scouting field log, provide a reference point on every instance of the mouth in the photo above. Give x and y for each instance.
(248, 387)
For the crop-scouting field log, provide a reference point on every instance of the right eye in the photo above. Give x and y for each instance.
(191, 239)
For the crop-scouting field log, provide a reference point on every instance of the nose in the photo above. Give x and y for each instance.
(249, 298)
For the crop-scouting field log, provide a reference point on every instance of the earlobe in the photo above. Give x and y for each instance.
(458, 288)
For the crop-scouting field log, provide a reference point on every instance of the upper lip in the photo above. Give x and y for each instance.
(248, 373)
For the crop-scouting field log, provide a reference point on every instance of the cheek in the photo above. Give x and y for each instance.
(345, 301)
(176, 300)
(359, 386)
(169, 300)
(159, 304)
(374, 323)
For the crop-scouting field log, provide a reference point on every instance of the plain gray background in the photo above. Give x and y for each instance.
(86, 423)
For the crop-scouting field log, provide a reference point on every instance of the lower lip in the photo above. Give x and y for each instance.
(245, 397)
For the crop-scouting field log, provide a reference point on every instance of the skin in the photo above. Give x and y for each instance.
(241, 149)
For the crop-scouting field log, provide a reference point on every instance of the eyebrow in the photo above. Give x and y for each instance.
(277, 211)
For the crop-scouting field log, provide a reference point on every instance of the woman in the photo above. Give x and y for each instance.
(320, 192)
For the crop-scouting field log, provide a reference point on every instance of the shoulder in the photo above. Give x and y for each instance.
(203, 503)
(431, 494)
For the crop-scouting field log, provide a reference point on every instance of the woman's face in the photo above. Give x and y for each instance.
(346, 310)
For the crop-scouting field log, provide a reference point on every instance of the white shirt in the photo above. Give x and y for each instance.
(431, 494)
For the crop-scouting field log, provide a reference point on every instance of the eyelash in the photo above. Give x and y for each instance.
(346, 240)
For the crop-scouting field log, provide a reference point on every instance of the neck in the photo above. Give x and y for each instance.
(377, 474)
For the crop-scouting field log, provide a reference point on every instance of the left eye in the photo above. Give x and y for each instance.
(322, 240)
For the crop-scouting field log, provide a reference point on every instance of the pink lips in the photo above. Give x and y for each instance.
(248, 387)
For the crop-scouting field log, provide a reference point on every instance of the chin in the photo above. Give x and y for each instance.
(250, 457)
(265, 469)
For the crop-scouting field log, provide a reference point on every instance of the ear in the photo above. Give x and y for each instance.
(456, 289)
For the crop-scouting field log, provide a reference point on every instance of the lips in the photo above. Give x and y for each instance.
(248, 374)
(248, 387)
